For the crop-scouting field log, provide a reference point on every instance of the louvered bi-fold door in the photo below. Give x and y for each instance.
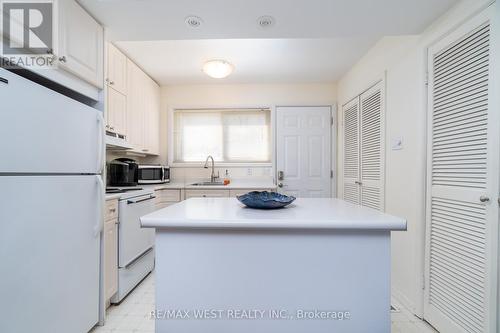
(462, 208)
(371, 148)
(351, 188)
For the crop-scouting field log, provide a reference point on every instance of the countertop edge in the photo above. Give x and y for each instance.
(268, 225)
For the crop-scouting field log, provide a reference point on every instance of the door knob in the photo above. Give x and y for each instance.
(280, 185)
(62, 59)
(484, 198)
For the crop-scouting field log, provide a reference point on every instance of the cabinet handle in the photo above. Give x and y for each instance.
(145, 150)
(62, 59)
(111, 82)
(112, 128)
(358, 182)
(3, 80)
(112, 210)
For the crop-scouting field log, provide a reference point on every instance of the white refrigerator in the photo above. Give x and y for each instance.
(51, 201)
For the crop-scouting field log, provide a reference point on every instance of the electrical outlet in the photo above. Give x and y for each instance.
(249, 172)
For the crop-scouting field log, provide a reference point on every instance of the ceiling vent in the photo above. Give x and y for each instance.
(266, 21)
(193, 21)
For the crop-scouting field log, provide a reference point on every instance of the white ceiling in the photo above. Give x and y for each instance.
(255, 60)
(312, 40)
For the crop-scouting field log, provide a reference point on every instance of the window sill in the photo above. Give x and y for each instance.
(222, 164)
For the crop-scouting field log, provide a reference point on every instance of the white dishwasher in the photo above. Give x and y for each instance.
(135, 244)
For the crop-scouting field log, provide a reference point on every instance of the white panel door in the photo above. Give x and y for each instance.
(371, 140)
(351, 188)
(303, 151)
(49, 250)
(42, 131)
(463, 176)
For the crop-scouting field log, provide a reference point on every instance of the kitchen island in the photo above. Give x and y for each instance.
(318, 265)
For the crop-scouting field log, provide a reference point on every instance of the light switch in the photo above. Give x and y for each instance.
(397, 143)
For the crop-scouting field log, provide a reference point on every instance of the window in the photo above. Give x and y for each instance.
(232, 135)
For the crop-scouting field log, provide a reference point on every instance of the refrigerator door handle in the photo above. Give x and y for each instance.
(99, 227)
(100, 143)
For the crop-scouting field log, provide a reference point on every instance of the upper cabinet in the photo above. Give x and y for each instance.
(132, 103)
(135, 106)
(80, 49)
(143, 111)
(116, 76)
(116, 112)
(152, 119)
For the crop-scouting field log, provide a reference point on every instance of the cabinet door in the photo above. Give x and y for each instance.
(117, 69)
(135, 106)
(461, 260)
(152, 118)
(165, 195)
(116, 112)
(351, 151)
(371, 139)
(110, 259)
(80, 43)
(241, 191)
(207, 194)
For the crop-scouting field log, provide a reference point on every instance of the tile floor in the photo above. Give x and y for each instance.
(133, 314)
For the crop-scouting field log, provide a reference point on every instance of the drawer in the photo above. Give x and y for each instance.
(160, 205)
(165, 195)
(111, 210)
(207, 194)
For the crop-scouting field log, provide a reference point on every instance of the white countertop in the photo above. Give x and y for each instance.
(249, 184)
(113, 196)
(235, 184)
(304, 213)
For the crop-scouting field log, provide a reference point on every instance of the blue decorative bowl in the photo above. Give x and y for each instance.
(265, 200)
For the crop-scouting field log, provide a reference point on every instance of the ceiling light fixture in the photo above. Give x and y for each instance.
(266, 21)
(193, 21)
(218, 69)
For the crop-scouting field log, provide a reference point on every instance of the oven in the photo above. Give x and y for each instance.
(135, 244)
(153, 174)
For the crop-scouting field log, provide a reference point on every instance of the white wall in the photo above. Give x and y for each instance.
(402, 60)
(236, 95)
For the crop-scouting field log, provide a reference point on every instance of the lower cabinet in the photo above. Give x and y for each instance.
(236, 192)
(206, 194)
(110, 249)
(166, 197)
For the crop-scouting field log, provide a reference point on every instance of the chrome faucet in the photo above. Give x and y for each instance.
(212, 175)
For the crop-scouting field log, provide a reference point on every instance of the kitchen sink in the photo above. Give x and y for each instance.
(208, 184)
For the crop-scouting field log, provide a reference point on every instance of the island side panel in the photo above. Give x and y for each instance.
(272, 275)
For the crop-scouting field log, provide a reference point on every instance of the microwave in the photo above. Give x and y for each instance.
(153, 174)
